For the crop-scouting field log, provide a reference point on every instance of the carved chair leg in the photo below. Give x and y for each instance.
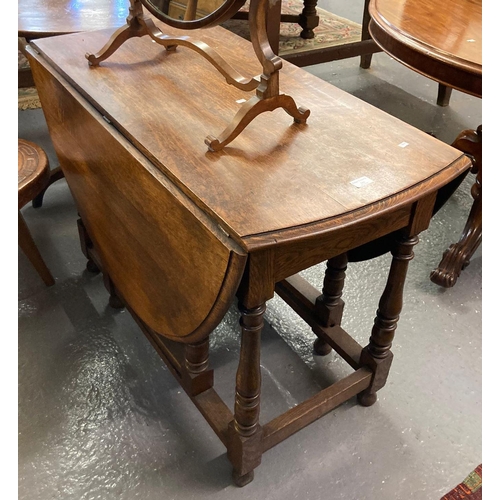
(329, 306)
(458, 255)
(308, 19)
(377, 355)
(245, 433)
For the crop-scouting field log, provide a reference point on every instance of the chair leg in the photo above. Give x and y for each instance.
(30, 249)
(55, 175)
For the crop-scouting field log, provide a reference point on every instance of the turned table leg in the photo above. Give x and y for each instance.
(377, 355)
(329, 306)
(196, 357)
(245, 433)
(308, 19)
(458, 255)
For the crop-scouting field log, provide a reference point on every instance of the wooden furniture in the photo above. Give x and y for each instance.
(33, 173)
(42, 18)
(268, 96)
(181, 232)
(308, 20)
(443, 41)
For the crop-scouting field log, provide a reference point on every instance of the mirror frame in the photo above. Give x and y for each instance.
(227, 10)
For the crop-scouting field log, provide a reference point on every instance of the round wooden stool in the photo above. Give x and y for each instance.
(33, 178)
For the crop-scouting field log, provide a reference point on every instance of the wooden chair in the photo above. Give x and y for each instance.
(33, 178)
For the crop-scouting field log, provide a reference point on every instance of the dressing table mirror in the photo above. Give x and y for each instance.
(196, 14)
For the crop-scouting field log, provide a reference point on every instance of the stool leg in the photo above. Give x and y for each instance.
(245, 433)
(329, 306)
(55, 175)
(377, 355)
(30, 249)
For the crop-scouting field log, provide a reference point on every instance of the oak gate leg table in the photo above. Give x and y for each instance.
(443, 41)
(179, 232)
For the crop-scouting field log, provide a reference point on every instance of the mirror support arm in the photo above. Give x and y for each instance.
(267, 98)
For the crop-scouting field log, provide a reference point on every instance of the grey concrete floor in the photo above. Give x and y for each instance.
(100, 417)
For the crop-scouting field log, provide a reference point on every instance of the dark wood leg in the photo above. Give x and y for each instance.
(444, 94)
(114, 300)
(245, 433)
(197, 377)
(458, 255)
(366, 59)
(55, 175)
(329, 306)
(86, 245)
(377, 355)
(92, 267)
(308, 19)
(30, 249)
(196, 357)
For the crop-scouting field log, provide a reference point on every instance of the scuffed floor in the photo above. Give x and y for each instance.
(100, 417)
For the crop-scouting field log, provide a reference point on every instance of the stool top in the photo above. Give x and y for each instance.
(33, 171)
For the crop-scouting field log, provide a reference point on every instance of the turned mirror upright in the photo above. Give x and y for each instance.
(195, 14)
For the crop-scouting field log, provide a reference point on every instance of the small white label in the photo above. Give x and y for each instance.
(241, 101)
(404, 144)
(361, 182)
(471, 40)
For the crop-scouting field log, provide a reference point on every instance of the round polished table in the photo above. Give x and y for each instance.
(40, 18)
(441, 40)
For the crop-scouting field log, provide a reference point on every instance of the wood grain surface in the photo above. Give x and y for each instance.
(42, 18)
(275, 175)
(441, 40)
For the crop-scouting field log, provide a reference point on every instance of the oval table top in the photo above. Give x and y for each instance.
(44, 18)
(441, 40)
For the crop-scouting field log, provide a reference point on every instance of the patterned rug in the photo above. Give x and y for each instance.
(470, 488)
(27, 98)
(331, 31)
